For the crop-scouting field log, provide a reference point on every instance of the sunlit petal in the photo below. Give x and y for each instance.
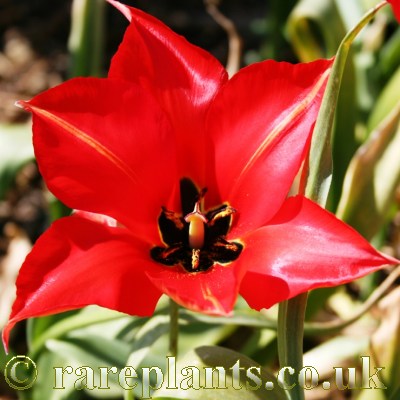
(78, 262)
(304, 247)
(184, 78)
(260, 127)
(105, 147)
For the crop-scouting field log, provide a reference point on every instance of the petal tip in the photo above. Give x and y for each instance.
(5, 337)
(21, 104)
(125, 10)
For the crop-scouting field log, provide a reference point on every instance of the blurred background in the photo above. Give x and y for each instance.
(43, 43)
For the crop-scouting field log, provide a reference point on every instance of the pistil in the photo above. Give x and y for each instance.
(195, 240)
(196, 220)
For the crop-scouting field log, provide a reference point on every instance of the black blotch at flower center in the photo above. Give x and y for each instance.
(195, 240)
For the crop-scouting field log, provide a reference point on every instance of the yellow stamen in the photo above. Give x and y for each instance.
(195, 258)
(196, 221)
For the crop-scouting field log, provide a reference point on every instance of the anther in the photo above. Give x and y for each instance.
(195, 259)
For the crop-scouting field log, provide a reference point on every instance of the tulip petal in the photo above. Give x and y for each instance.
(213, 292)
(260, 126)
(396, 8)
(78, 262)
(125, 10)
(183, 77)
(105, 146)
(304, 247)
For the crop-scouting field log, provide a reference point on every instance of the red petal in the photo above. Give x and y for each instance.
(78, 262)
(105, 146)
(304, 247)
(183, 77)
(212, 292)
(396, 8)
(260, 125)
(99, 218)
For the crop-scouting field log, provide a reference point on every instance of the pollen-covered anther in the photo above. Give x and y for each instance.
(195, 259)
(225, 212)
(196, 220)
(195, 240)
(170, 215)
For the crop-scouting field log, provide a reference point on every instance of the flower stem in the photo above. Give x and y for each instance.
(86, 40)
(290, 339)
(174, 328)
(292, 312)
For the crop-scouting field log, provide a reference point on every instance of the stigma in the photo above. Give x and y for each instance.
(196, 220)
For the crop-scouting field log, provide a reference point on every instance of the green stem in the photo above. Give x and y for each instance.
(86, 40)
(310, 328)
(174, 328)
(290, 339)
(292, 312)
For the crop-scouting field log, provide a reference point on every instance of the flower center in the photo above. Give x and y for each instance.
(193, 239)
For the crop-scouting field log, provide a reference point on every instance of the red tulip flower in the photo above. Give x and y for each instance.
(396, 8)
(181, 179)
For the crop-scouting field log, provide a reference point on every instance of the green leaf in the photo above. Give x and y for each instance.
(390, 55)
(35, 327)
(249, 317)
(372, 178)
(110, 352)
(44, 386)
(85, 318)
(274, 41)
(146, 336)
(15, 151)
(386, 102)
(99, 355)
(315, 29)
(335, 352)
(4, 359)
(261, 346)
(320, 160)
(317, 299)
(150, 343)
(236, 385)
